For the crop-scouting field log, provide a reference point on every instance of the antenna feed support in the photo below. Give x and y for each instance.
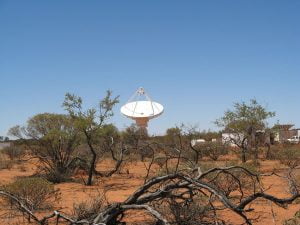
(141, 91)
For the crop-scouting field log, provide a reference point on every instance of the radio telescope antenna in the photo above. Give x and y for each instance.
(141, 110)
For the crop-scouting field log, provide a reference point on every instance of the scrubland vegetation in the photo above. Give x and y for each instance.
(179, 183)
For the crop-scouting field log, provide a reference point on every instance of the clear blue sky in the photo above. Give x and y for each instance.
(195, 57)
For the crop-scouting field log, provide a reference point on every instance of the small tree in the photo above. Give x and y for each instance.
(290, 156)
(90, 122)
(180, 139)
(52, 138)
(37, 193)
(243, 122)
(214, 149)
(14, 152)
(134, 137)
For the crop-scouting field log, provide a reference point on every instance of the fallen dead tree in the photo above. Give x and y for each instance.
(182, 187)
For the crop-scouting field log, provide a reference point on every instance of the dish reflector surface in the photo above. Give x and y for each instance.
(139, 109)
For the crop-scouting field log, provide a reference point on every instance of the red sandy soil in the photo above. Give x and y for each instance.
(120, 186)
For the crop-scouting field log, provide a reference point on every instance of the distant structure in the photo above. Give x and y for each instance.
(195, 142)
(141, 111)
(279, 133)
(232, 138)
(282, 132)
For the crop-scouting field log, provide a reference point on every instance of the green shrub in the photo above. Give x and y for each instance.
(290, 157)
(35, 193)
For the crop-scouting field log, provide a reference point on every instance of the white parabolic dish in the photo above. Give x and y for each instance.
(142, 109)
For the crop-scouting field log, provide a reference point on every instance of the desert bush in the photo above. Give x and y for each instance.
(253, 165)
(184, 166)
(55, 176)
(5, 163)
(134, 137)
(88, 209)
(164, 171)
(187, 212)
(290, 157)
(53, 139)
(171, 167)
(35, 193)
(13, 152)
(273, 152)
(160, 161)
(214, 150)
(235, 180)
(208, 165)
